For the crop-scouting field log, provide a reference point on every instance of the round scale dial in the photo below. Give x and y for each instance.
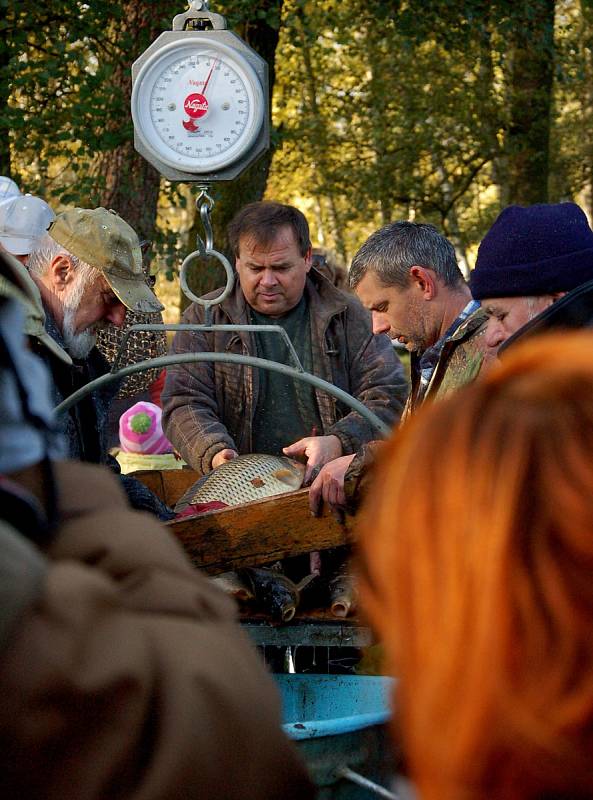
(198, 106)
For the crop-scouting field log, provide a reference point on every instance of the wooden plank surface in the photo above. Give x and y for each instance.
(168, 484)
(258, 532)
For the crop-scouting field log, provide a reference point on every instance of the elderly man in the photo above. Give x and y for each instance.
(407, 275)
(24, 220)
(212, 412)
(529, 259)
(89, 270)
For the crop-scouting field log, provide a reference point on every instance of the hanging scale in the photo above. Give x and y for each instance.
(200, 111)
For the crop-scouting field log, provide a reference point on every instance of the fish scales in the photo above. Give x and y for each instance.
(245, 478)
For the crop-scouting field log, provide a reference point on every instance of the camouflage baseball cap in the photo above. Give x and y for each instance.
(105, 241)
(16, 283)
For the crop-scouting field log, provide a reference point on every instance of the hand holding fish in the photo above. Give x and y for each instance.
(328, 486)
(225, 455)
(318, 450)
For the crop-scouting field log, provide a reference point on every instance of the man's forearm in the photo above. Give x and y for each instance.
(196, 438)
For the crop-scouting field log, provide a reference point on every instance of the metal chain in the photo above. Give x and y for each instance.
(204, 205)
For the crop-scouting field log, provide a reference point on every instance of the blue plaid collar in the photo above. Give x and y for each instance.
(430, 357)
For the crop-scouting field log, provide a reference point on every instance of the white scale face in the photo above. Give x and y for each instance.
(197, 106)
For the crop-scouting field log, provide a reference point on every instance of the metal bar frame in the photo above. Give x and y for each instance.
(227, 358)
(186, 326)
(355, 777)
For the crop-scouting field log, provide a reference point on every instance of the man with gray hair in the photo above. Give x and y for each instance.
(407, 275)
(88, 268)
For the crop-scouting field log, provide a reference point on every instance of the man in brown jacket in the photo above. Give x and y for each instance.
(213, 412)
(122, 671)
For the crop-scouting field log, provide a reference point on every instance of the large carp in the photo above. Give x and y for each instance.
(245, 478)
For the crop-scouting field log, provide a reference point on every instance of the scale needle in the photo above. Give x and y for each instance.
(216, 60)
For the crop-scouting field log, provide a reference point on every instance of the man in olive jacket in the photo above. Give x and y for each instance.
(213, 412)
(407, 275)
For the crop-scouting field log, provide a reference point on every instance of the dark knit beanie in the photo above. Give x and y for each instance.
(536, 250)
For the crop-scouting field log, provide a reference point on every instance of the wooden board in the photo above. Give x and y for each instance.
(259, 532)
(168, 484)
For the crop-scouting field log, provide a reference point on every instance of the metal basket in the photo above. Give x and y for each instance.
(140, 346)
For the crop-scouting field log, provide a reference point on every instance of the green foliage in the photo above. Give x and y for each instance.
(59, 63)
(433, 109)
(388, 110)
(439, 109)
(66, 75)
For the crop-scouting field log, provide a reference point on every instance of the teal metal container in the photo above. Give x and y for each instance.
(338, 722)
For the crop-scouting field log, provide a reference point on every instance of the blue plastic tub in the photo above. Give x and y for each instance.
(339, 721)
(330, 705)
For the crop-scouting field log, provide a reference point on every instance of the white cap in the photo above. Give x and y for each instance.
(8, 188)
(23, 221)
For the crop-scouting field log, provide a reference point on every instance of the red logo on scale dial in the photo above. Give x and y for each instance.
(195, 105)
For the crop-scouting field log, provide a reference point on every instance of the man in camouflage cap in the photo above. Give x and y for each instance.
(106, 242)
(88, 269)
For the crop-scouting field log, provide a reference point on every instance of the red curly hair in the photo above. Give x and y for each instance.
(477, 572)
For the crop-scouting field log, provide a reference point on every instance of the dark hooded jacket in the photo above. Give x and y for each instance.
(85, 425)
(123, 672)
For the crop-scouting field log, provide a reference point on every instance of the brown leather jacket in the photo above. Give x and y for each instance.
(208, 407)
(128, 677)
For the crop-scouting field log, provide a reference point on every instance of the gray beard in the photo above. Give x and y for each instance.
(79, 345)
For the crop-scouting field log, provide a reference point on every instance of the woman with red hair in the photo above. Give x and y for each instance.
(477, 568)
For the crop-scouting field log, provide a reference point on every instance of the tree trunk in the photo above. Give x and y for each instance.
(586, 43)
(531, 70)
(381, 64)
(131, 188)
(450, 223)
(126, 181)
(319, 137)
(4, 94)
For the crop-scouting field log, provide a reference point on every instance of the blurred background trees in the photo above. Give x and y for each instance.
(440, 110)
